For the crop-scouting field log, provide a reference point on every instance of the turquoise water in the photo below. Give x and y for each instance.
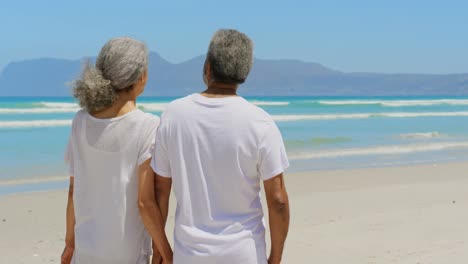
(319, 133)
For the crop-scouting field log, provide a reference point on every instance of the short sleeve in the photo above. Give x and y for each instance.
(273, 159)
(160, 162)
(148, 141)
(68, 157)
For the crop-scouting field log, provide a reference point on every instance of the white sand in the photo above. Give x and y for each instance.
(388, 215)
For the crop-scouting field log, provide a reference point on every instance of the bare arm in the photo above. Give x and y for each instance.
(70, 233)
(162, 189)
(150, 212)
(163, 192)
(278, 212)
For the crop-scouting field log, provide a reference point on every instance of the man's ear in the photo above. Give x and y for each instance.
(207, 72)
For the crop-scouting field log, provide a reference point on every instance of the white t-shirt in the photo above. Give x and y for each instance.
(103, 155)
(217, 151)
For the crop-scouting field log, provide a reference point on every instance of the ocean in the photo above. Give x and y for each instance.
(320, 133)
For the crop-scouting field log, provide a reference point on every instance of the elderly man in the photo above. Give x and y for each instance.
(216, 148)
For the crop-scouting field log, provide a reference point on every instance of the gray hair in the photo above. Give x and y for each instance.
(230, 56)
(120, 64)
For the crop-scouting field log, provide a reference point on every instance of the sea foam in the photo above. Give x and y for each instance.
(58, 105)
(286, 118)
(272, 103)
(34, 123)
(380, 150)
(153, 107)
(396, 103)
(37, 110)
(425, 135)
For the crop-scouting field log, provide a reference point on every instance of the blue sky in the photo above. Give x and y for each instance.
(373, 36)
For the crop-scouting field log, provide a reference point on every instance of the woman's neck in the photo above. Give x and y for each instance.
(119, 108)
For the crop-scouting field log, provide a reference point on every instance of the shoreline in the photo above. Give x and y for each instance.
(406, 214)
(32, 185)
(10, 187)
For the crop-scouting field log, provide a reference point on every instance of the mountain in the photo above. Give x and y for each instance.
(49, 77)
(38, 77)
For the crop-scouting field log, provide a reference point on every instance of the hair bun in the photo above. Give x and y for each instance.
(93, 91)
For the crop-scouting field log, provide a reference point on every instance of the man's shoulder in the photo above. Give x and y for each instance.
(178, 103)
(256, 112)
(176, 110)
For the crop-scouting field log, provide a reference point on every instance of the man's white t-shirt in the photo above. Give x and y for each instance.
(103, 156)
(217, 151)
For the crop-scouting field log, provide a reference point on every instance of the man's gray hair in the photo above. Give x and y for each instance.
(120, 64)
(230, 56)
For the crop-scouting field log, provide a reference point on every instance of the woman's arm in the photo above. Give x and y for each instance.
(162, 189)
(150, 212)
(70, 233)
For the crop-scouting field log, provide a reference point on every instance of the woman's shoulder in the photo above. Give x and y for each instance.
(147, 121)
(78, 116)
(149, 117)
(80, 113)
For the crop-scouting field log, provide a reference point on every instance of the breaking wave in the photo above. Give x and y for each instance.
(286, 118)
(396, 103)
(381, 150)
(35, 123)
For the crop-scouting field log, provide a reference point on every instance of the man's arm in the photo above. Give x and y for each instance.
(278, 212)
(70, 233)
(162, 187)
(150, 212)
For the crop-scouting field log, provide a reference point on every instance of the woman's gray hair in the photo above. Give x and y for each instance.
(230, 56)
(120, 64)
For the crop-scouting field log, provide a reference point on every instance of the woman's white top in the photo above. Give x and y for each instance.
(103, 155)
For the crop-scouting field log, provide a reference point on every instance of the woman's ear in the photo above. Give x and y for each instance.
(144, 77)
(139, 86)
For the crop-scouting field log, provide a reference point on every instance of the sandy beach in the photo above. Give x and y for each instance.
(415, 214)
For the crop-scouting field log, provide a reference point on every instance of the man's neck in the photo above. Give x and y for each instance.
(220, 90)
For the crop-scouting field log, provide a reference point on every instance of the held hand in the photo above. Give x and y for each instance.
(67, 255)
(169, 260)
(157, 259)
(273, 261)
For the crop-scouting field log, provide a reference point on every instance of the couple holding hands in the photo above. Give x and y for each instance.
(214, 149)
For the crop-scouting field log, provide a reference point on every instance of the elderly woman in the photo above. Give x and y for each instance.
(217, 148)
(111, 197)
